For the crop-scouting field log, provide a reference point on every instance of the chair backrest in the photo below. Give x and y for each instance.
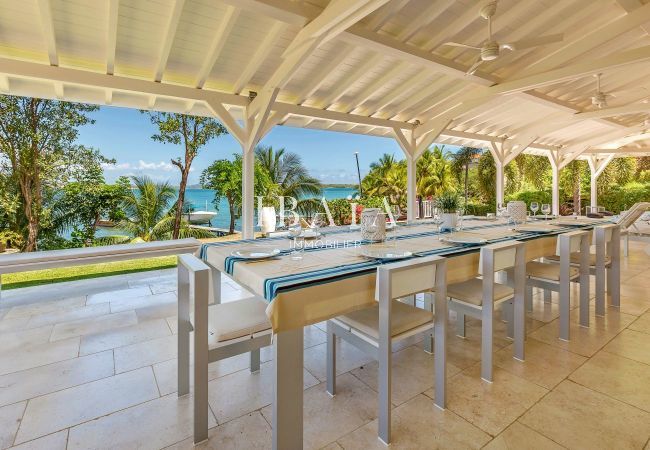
(574, 241)
(405, 278)
(500, 256)
(604, 235)
(633, 214)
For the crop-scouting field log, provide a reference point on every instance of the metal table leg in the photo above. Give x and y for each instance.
(287, 398)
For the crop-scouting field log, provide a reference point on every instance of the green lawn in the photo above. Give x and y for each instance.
(48, 276)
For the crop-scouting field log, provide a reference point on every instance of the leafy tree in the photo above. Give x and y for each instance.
(193, 133)
(37, 151)
(434, 173)
(461, 161)
(487, 176)
(147, 215)
(224, 176)
(287, 172)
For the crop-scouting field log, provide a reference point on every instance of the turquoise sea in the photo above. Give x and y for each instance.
(200, 199)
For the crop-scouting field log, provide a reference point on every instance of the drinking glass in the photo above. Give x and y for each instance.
(437, 220)
(534, 207)
(295, 230)
(459, 219)
(319, 221)
(546, 209)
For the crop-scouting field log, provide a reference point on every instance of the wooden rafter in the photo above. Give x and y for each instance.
(168, 38)
(47, 25)
(111, 34)
(218, 42)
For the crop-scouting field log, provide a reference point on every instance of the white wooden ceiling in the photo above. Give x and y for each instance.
(382, 71)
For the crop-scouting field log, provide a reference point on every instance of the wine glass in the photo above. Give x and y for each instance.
(460, 213)
(546, 209)
(319, 221)
(534, 207)
(437, 220)
(295, 229)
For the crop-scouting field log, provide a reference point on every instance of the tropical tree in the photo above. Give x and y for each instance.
(148, 216)
(287, 172)
(461, 161)
(224, 176)
(193, 133)
(37, 151)
(434, 173)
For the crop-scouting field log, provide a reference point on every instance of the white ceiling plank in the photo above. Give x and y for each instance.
(5, 88)
(113, 7)
(633, 108)
(595, 38)
(460, 22)
(317, 79)
(307, 111)
(346, 83)
(416, 97)
(385, 13)
(47, 26)
(290, 13)
(218, 42)
(259, 56)
(424, 18)
(372, 87)
(168, 38)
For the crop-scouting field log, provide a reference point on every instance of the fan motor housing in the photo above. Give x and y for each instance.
(490, 51)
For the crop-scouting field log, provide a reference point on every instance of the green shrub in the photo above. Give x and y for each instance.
(531, 196)
(479, 209)
(448, 201)
(620, 198)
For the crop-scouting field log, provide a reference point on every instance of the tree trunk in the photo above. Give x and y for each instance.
(231, 206)
(179, 202)
(466, 175)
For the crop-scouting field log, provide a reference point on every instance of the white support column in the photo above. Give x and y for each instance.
(555, 159)
(411, 188)
(596, 167)
(248, 192)
(496, 149)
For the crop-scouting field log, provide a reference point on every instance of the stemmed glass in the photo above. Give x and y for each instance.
(503, 212)
(534, 207)
(546, 209)
(295, 229)
(319, 221)
(437, 220)
(460, 213)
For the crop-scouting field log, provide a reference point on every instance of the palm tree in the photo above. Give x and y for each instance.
(287, 172)
(434, 172)
(148, 217)
(461, 161)
(385, 164)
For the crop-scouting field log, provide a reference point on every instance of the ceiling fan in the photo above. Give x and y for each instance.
(599, 99)
(491, 49)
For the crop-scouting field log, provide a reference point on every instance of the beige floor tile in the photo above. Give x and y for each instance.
(250, 431)
(635, 305)
(641, 324)
(54, 441)
(44, 307)
(491, 406)
(518, 436)
(640, 279)
(419, 424)
(13, 324)
(313, 336)
(93, 325)
(126, 304)
(326, 418)
(577, 417)
(16, 340)
(38, 355)
(163, 286)
(603, 373)
(145, 353)
(68, 315)
(78, 404)
(545, 365)
(122, 336)
(151, 425)
(242, 392)
(631, 344)
(167, 375)
(103, 297)
(157, 311)
(348, 357)
(333, 446)
(173, 324)
(9, 422)
(42, 380)
(412, 373)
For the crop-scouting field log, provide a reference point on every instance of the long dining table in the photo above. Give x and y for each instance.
(334, 278)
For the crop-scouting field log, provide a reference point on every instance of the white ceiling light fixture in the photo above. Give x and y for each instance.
(491, 49)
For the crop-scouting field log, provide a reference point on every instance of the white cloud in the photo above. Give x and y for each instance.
(121, 166)
(162, 165)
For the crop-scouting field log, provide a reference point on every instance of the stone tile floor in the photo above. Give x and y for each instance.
(92, 364)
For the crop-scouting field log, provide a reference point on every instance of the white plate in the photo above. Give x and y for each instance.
(256, 253)
(536, 228)
(385, 253)
(310, 234)
(465, 240)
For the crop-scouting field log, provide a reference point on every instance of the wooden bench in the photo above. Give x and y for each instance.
(24, 262)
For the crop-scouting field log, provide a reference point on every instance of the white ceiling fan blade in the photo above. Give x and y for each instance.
(533, 42)
(458, 44)
(472, 70)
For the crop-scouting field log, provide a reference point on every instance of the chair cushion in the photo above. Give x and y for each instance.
(575, 258)
(471, 291)
(237, 319)
(403, 318)
(547, 271)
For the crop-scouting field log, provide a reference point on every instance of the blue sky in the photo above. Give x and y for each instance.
(125, 134)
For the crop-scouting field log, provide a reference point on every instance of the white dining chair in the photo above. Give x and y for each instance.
(604, 265)
(553, 277)
(221, 330)
(477, 298)
(374, 329)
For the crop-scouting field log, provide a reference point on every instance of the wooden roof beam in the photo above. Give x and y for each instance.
(168, 38)
(259, 56)
(111, 35)
(47, 26)
(218, 42)
(632, 108)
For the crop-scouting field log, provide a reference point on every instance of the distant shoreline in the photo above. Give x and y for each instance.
(325, 186)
